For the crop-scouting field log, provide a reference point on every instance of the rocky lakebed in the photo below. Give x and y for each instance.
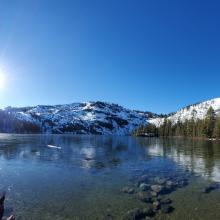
(154, 191)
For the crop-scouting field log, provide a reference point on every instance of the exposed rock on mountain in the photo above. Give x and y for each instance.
(80, 118)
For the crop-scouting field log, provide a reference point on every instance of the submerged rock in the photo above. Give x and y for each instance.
(170, 184)
(144, 187)
(211, 187)
(128, 190)
(144, 196)
(152, 190)
(153, 193)
(166, 208)
(157, 188)
(88, 158)
(148, 212)
(139, 214)
(135, 214)
(156, 205)
(159, 180)
(99, 165)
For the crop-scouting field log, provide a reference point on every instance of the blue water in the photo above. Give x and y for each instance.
(83, 179)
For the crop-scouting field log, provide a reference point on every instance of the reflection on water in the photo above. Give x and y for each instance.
(83, 179)
(199, 156)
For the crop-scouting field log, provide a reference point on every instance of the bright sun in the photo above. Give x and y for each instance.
(2, 79)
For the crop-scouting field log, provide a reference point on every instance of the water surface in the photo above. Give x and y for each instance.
(84, 179)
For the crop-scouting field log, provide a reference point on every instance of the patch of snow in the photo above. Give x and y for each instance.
(86, 118)
(196, 111)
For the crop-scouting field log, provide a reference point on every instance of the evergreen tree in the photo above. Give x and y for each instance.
(207, 128)
(216, 131)
(209, 122)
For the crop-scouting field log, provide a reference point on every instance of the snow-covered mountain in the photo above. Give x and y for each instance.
(196, 111)
(92, 118)
(83, 118)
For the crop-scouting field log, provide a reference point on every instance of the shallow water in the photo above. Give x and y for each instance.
(84, 179)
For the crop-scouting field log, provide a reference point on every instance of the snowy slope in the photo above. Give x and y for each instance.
(196, 111)
(83, 118)
(93, 118)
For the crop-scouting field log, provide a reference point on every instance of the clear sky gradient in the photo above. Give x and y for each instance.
(142, 54)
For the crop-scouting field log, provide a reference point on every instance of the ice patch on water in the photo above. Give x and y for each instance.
(53, 146)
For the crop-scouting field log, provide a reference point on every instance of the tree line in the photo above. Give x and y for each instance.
(209, 127)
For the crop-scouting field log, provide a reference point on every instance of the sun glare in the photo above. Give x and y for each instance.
(2, 79)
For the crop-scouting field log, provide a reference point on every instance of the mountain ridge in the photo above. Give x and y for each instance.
(94, 117)
(82, 118)
(197, 111)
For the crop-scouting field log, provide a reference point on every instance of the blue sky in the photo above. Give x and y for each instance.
(142, 54)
